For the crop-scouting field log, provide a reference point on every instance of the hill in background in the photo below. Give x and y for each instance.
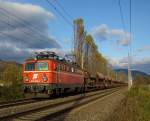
(134, 72)
(138, 76)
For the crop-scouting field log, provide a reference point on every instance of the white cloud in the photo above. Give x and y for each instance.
(118, 62)
(142, 64)
(117, 32)
(24, 27)
(26, 9)
(144, 48)
(103, 32)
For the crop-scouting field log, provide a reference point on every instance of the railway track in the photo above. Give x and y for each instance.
(18, 102)
(66, 108)
(51, 108)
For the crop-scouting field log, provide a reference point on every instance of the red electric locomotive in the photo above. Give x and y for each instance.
(48, 74)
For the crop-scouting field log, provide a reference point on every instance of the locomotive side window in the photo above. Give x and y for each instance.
(30, 67)
(42, 66)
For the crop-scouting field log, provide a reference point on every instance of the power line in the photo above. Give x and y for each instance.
(13, 26)
(121, 14)
(130, 26)
(60, 13)
(23, 22)
(59, 4)
(10, 36)
(67, 14)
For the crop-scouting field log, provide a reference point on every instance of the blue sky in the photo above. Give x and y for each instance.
(98, 13)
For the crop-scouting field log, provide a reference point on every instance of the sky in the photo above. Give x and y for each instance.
(27, 26)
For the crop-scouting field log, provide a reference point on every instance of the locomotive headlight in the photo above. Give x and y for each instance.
(45, 79)
(26, 79)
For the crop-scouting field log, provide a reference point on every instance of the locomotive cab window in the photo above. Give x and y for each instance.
(29, 66)
(42, 66)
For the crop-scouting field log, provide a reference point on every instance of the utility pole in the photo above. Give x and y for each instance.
(129, 54)
(129, 72)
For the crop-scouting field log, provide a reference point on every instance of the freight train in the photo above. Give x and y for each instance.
(49, 75)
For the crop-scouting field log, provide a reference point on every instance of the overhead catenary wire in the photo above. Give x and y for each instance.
(9, 36)
(121, 15)
(60, 13)
(67, 14)
(123, 21)
(130, 27)
(27, 34)
(27, 27)
(23, 22)
(64, 10)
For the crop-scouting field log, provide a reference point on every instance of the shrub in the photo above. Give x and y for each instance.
(10, 93)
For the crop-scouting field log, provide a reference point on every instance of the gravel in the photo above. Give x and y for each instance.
(27, 107)
(98, 110)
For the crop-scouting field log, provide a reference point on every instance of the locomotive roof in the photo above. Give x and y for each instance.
(46, 55)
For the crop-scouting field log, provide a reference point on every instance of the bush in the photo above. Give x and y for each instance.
(10, 93)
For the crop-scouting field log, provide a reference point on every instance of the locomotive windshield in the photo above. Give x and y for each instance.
(30, 67)
(39, 66)
(42, 66)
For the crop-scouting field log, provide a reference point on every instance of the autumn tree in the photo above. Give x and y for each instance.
(12, 74)
(87, 55)
(79, 36)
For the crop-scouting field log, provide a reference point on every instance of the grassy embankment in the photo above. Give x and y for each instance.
(135, 107)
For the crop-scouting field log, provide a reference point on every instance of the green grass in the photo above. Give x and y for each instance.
(135, 106)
